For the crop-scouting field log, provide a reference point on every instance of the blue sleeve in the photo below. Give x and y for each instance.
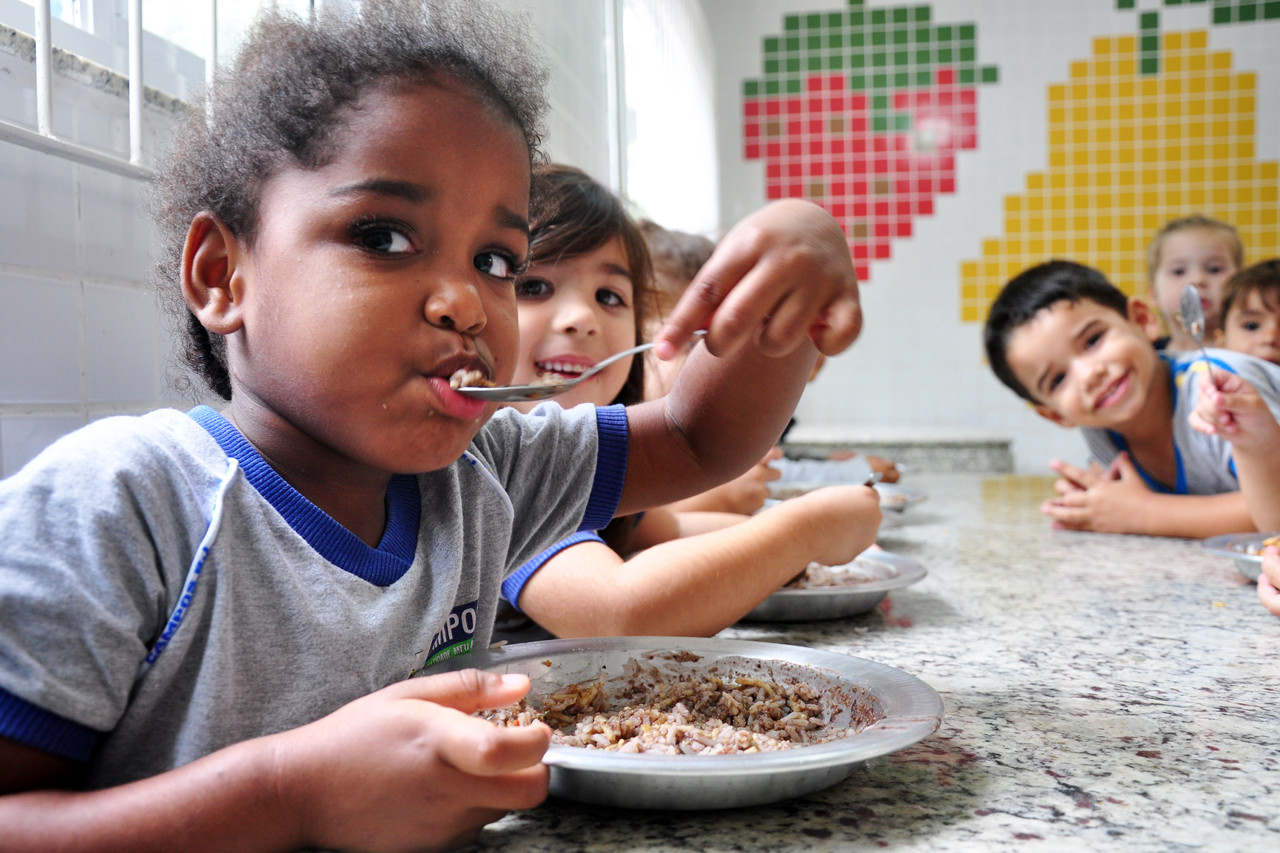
(514, 584)
(44, 730)
(611, 468)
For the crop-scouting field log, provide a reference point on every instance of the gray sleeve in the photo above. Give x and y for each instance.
(86, 531)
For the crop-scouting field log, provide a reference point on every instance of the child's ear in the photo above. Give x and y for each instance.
(1050, 415)
(1141, 315)
(211, 283)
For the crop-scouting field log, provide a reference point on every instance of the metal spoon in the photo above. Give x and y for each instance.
(1191, 316)
(543, 390)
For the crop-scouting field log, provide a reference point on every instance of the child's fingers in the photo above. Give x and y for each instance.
(1073, 475)
(1268, 595)
(478, 747)
(841, 327)
(466, 690)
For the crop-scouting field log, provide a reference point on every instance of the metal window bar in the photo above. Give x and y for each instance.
(44, 140)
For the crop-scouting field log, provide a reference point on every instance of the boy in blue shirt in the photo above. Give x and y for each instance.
(1073, 345)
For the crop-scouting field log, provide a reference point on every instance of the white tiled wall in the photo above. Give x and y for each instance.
(80, 336)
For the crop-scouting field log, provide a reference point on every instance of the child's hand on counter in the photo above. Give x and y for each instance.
(1105, 500)
(1269, 580)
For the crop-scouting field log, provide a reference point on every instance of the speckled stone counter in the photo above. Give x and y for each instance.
(1102, 693)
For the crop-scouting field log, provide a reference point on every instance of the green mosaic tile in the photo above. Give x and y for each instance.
(879, 102)
(922, 14)
(816, 64)
(791, 22)
(836, 63)
(879, 38)
(968, 54)
(902, 57)
(835, 41)
(901, 123)
(968, 32)
(835, 20)
(901, 16)
(879, 124)
(857, 19)
(879, 60)
(945, 56)
(750, 88)
(794, 86)
(771, 67)
(879, 81)
(858, 60)
(772, 45)
(924, 35)
(1150, 65)
(1124, 4)
(1271, 10)
(1222, 15)
(1149, 20)
(990, 74)
(814, 42)
(792, 44)
(901, 80)
(878, 16)
(856, 39)
(858, 82)
(771, 87)
(924, 79)
(944, 33)
(901, 36)
(1149, 44)
(1247, 12)
(813, 22)
(792, 65)
(924, 56)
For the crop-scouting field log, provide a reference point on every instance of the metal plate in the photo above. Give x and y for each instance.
(908, 711)
(837, 602)
(1236, 546)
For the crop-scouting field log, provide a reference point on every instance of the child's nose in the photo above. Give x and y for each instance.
(456, 304)
(574, 316)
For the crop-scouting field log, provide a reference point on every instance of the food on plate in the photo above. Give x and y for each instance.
(1256, 548)
(861, 570)
(686, 713)
(469, 379)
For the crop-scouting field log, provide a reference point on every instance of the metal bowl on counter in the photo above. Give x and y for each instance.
(1245, 549)
(904, 710)
(888, 571)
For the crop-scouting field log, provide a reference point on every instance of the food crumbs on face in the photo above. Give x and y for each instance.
(469, 379)
(546, 663)
(683, 714)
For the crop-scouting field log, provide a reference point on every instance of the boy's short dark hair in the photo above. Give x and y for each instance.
(1263, 278)
(1032, 291)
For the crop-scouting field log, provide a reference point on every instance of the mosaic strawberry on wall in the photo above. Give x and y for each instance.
(863, 111)
(1149, 128)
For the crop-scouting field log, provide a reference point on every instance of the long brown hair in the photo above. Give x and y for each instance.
(570, 214)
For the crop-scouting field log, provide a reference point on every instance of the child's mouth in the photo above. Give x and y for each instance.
(453, 404)
(1112, 393)
(560, 369)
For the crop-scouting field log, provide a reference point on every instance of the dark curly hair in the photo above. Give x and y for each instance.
(570, 214)
(1032, 291)
(1263, 278)
(282, 103)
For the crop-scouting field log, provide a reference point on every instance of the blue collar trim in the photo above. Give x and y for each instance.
(381, 566)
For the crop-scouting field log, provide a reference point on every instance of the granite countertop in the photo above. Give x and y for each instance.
(1101, 691)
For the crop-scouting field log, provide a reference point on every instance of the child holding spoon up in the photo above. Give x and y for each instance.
(583, 297)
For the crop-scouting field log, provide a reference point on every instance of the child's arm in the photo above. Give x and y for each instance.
(404, 767)
(1118, 501)
(1234, 410)
(742, 495)
(699, 585)
(779, 283)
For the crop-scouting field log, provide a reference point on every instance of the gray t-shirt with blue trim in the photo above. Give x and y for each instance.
(292, 616)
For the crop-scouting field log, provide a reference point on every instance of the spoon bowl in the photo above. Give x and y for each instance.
(1191, 316)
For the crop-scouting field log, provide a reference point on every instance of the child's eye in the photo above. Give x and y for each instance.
(1251, 325)
(496, 264)
(610, 298)
(1092, 339)
(383, 239)
(532, 288)
(1055, 380)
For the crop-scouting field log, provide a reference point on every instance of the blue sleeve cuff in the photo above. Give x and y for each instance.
(514, 584)
(32, 725)
(611, 467)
